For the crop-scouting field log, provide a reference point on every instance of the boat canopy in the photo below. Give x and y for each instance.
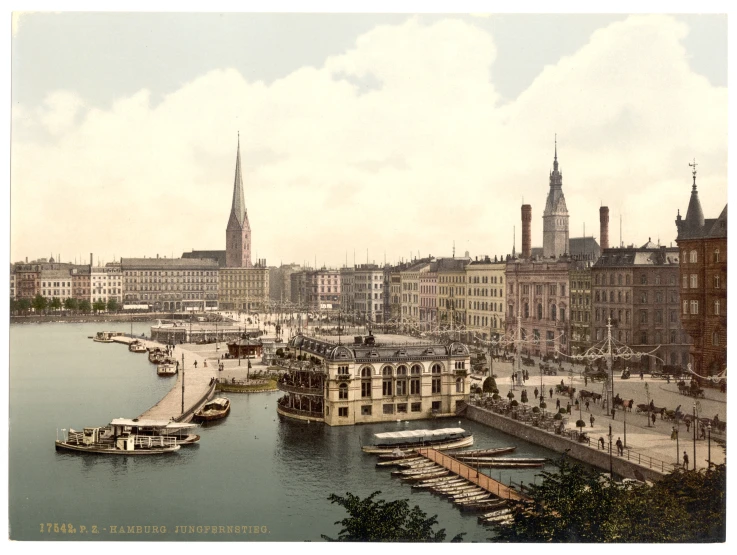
(152, 423)
(419, 436)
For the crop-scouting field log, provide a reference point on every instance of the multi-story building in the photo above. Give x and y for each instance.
(27, 279)
(12, 283)
(703, 279)
(243, 288)
(410, 287)
(323, 289)
(106, 282)
(347, 290)
(429, 298)
(580, 313)
(637, 290)
(368, 301)
(395, 295)
(170, 283)
(452, 292)
(537, 304)
(363, 383)
(299, 286)
(81, 281)
(280, 282)
(485, 296)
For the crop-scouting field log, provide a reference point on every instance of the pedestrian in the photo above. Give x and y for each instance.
(620, 449)
(688, 424)
(653, 418)
(195, 364)
(568, 408)
(614, 411)
(557, 404)
(551, 392)
(591, 419)
(537, 392)
(585, 380)
(673, 433)
(703, 432)
(601, 441)
(642, 375)
(685, 460)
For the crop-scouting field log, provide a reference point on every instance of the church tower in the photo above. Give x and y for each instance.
(555, 216)
(238, 232)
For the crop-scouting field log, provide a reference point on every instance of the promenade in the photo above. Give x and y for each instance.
(640, 436)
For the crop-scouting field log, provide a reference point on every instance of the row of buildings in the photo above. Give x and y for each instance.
(560, 297)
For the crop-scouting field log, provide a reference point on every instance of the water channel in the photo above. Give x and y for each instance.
(267, 475)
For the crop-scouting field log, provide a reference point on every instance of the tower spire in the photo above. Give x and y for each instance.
(694, 172)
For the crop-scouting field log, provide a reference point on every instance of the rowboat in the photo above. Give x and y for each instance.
(213, 410)
(416, 464)
(416, 471)
(455, 487)
(478, 495)
(397, 462)
(445, 438)
(493, 516)
(101, 441)
(506, 459)
(485, 506)
(504, 464)
(482, 452)
(434, 484)
(398, 454)
(436, 474)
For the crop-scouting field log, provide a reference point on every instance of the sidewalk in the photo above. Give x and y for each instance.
(639, 438)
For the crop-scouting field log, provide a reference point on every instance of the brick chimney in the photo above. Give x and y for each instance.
(604, 227)
(526, 231)
(92, 263)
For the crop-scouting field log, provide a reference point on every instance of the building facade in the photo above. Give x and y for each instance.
(703, 285)
(170, 283)
(555, 216)
(485, 298)
(429, 298)
(357, 384)
(368, 303)
(244, 289)
(580, 281)
(347, 292)
(637, 289)
(452, 293)
(106, 282)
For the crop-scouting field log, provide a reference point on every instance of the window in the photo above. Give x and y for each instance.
(414, 386)
(716, 282)
(435, 406)
(459, 385)
(716, 259)
(692, 257)
(388, 409)
(387, 371)
(386, 388)
(343, 371)
(436, 385)
(643, 279)
(416, 370)
(694, 307)
(366, 372)
(643, 316)
(416, 407)
(343, 412)
(436, 369)
(402, 371)
(366, 389)
(673, 316)
(643, 338)
(717, 307)
(685, 307)
(619, 279)
(365, 410)
(658, 318)
(611, 296)
(562, 314)
(553, 290)
(539, 311)
(673, 336)
(643, 297)
(402, 387)
(694, 281)
(715, 335)
(527, 310)
(657, 279)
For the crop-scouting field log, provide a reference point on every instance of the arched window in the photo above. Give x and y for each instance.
(553, 312)
(627, 279)
(717, 307)
(402, 370)
(459, 385)
(611, 279)
(539, 311)
(619, 279)
(527, 310)
(366, 372)
(693, 257)
(343, 391)
(716, 255)
(715, 338)
(387, 371)
(436, 369)
(416, 370)
(611, 296)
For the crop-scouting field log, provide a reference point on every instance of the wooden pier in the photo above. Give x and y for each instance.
(471, 474)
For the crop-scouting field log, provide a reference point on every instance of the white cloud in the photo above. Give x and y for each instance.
(425, 156)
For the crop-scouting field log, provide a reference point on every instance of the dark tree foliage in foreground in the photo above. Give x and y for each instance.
(382, 521)
(578, 505)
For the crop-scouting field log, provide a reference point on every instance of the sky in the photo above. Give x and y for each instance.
(363, 136)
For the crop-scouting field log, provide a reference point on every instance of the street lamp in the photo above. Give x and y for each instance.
(611, 472)
(695, 425)
(708, 428)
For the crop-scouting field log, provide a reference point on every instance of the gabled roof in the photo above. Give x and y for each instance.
(218, 256)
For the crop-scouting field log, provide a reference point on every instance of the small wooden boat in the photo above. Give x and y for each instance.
(504, 464)
(492, 516)
(482, 452)
(180, 432)
(166, 369)
(477, 496)
(213, 410)
(415, 478)
(416, 464)
(445, 438)
(137, 347)
(474, 460)
(415, 471)
(442, 479)
(433, 484)
(398, 454)
(397, 462)
(100, 441)
(483, 506)
(105, 336)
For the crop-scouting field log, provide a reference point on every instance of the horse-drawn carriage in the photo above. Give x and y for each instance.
(624, 404)
(594, 374)
(588, 395)
(528, 361)
(548, 369)
(564, 389)
(693, 389)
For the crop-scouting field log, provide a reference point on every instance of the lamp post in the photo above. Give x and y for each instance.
(678, 450)
(708, 460)
(611, 472)
(182, 383)
(624, 412)
(695, 425)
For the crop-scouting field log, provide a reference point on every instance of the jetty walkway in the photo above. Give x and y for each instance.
(199, 383)
(471, 474)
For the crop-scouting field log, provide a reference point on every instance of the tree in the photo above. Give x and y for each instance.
(99, 305)
(24, 305)
(84, 306)
(71, 303)
(39, 303)
(55, 303)
(112, 305)
(489, 385)
(380, 520)
(579, 505)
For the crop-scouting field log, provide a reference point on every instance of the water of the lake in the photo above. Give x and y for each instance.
(254, 469)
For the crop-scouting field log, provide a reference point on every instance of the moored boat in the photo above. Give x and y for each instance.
(137, 347)
(418, 477)
(180, 432)
(102, 440)
(445, 438)
(213, 410)
(397, 462)
(166, 369)
(105, 336)
(482, 452)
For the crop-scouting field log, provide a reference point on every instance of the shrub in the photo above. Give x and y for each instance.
(543, 405)
(514, 403)
(580, 424)
(558, 416)
(535, 410)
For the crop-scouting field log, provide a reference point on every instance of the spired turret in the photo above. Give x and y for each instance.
(555, 216)
(238, 230)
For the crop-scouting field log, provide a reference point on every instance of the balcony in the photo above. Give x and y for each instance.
(299, 390)
(343, 377)
(306, 414)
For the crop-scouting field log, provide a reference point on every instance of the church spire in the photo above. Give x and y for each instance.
(555, 160)
(238, 207)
